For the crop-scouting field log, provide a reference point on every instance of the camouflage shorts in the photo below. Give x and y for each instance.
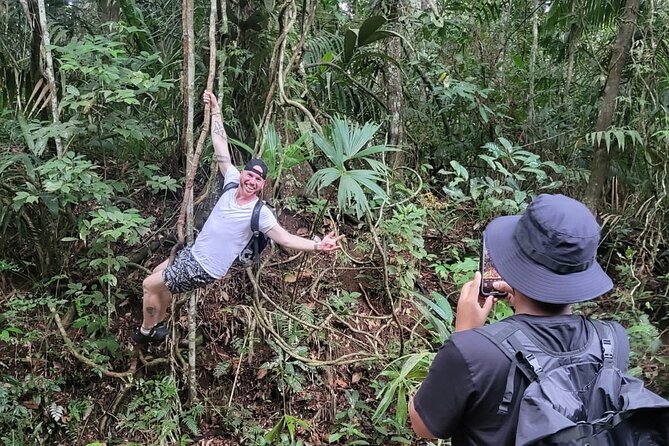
(185, 273)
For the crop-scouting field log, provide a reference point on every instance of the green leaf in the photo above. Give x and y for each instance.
(445, 313)
(506, 143)
(25, 131)
(460, 170)
(607, 139)
(409, 367)
(620, 139)
(334, 155)
(350, 42)
(388, 396)
(489, 160)
(380, 35)
(402, 407)
(377, 149)
(241, 145)
(538, 172)
(369, 179)
(334, 437)
(483, 111)
(368, 28)
(323, 178)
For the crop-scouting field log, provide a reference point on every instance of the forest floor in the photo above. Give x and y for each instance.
(243, 376)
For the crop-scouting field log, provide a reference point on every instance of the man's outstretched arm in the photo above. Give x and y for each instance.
(218, 136)
(285, 238)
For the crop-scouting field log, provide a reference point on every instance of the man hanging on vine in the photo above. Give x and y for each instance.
(225, 233)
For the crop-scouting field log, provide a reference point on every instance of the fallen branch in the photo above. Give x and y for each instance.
(239, 367)
(114, 407)
(87, 361)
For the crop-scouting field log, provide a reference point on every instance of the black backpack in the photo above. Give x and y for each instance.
(251, 252)
(578, 400)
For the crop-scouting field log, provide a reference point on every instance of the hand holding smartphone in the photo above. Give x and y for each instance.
(489, 274)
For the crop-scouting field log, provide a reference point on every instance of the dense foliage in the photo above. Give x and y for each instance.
(408, 125)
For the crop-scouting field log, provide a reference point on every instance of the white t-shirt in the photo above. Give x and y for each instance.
(227, 230)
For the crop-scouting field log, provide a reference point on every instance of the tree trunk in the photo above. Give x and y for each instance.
(48, 72)
(192, 309)
(188, 85)
(35, 43)
(572, 42)
(395, 96)
(602, 156)
(214, 187)
(533, 59)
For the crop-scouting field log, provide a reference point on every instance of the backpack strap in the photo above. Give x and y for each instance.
(527, 361)
(255, 225)
(607, 339)
(499, 333)
(507, 332)
(230, 186)
(255, 217)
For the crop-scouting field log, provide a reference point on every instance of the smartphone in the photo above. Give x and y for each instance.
(489, 274)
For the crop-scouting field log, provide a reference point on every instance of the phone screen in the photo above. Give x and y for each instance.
(489, 274)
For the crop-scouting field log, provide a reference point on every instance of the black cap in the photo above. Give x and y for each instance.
(258, 166)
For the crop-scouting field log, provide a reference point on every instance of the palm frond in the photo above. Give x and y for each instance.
(594, 13)
(323, 178)
(360, 137)
(350, 193)
(330, 150)
(369, 179)
(376, 149)
(322, 44)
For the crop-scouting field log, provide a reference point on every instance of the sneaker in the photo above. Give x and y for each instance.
(156, 335)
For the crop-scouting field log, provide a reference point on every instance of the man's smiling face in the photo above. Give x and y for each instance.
(251, 181)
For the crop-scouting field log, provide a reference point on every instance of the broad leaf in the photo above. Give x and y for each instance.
(368, 28)
(350, 42)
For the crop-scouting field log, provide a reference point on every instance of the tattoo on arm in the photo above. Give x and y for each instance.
(218, 129)
(151, 311)
(223, 159)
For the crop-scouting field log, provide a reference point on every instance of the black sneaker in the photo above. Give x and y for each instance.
(156, 336)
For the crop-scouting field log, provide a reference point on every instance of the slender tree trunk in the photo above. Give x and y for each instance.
(192, 309)
(602, 156)
(36, 41)
(572, 42)
(533, 59)
(50, 78)
(215, 183)
(214, 186)
(395, 96)
(188, 86)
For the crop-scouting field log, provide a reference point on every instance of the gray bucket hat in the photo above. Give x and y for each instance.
(549, 253)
